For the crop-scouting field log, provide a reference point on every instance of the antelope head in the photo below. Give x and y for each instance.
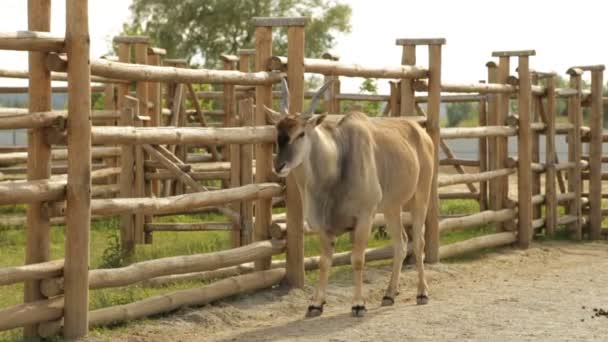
(293, 131)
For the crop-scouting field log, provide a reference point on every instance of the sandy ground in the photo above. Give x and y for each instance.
(547, 293)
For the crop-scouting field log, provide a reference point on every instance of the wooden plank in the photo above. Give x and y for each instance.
(39, 152)
(78, 214)
(189, 227)
(408, 95)
(502, 111)
(246, 113)
(127, 161)
(483, 154)
(295, 217)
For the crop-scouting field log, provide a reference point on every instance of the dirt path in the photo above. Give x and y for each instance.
(545, 293)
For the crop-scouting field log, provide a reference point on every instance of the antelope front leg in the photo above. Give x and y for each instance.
(327, 248)
(357, 258)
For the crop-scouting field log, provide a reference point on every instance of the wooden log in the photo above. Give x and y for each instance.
(139, 184)
(459, 195)
(481, 88)
(127, 160)
(477, 132)
(137, 272)
(12, 158)
(334, 68)
(408, 57)
(188, 227)
(18, 274)
(595, 153)
(550, 157)
(38, 163)
(33, 120)
(35, 191)
(246, 113)
(502, 111)
(524, 155)
(481, 218)
(263, 151)
(477, 243)
(184, 202)
(483, 154)
(201, 276)
(212, 175)
(183, 135)
(149, 73)
(461, 162)
(574, 155)
(191, 297)
(432, 127)
(78, 215)
(55, 76)
(447, 180)
(31, 314)
(295, 276)
(31, 41)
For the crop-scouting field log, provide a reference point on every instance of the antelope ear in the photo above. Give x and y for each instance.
(272, 116)
(315, 120)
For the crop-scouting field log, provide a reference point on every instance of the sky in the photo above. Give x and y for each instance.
(563, 33)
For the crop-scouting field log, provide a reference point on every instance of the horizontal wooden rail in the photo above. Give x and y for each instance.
(54, 89)
(181, 203)
(19, 192)
(477, 132)
(18, 274)
(31, 313)
(31, 41)
(484, 217)
(55, 76)
(447, 180)
(461, 162)
(188, 227)
(477, 243)
(329, 67)
(137, 272)
(172, 301)
(183, 135)
(33, 120)
(56, 155)
(205, 175)
(165, 74)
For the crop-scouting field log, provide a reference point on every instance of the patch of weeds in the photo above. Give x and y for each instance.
(112, 256)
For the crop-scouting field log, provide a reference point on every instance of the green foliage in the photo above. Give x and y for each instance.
(208, 28)
(458, 112)
(371, 108)
(112, 256)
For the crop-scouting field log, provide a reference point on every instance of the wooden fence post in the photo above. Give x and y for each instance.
(536, 186)
(483, 153)
(155, 112)
(39, 153)
(127, 164)
(331, 102)
(78, 213)
(550, 176)
(246, 112)
(502, 110)
(263, 152)
(574, 155)
(141, 88)
(408, 98)
(394, 98)
(432, 127)
(293, 202)
(595, 154)
(524, 148)
(494, 199)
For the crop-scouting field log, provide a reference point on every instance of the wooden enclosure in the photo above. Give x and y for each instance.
(152, 147)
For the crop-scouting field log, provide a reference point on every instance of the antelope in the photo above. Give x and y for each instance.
(346, 171)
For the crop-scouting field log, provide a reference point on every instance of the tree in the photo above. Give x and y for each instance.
(207, 28)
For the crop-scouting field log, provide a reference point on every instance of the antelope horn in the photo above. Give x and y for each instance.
(285, 96)
(315, 99)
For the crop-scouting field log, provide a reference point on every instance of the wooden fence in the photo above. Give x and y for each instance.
(57, 291)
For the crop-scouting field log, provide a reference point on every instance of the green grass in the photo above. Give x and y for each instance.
(104, 239)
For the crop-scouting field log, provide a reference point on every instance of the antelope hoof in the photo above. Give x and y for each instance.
(314, 311)
(422, 299)
(388, 301)
(358, 311)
